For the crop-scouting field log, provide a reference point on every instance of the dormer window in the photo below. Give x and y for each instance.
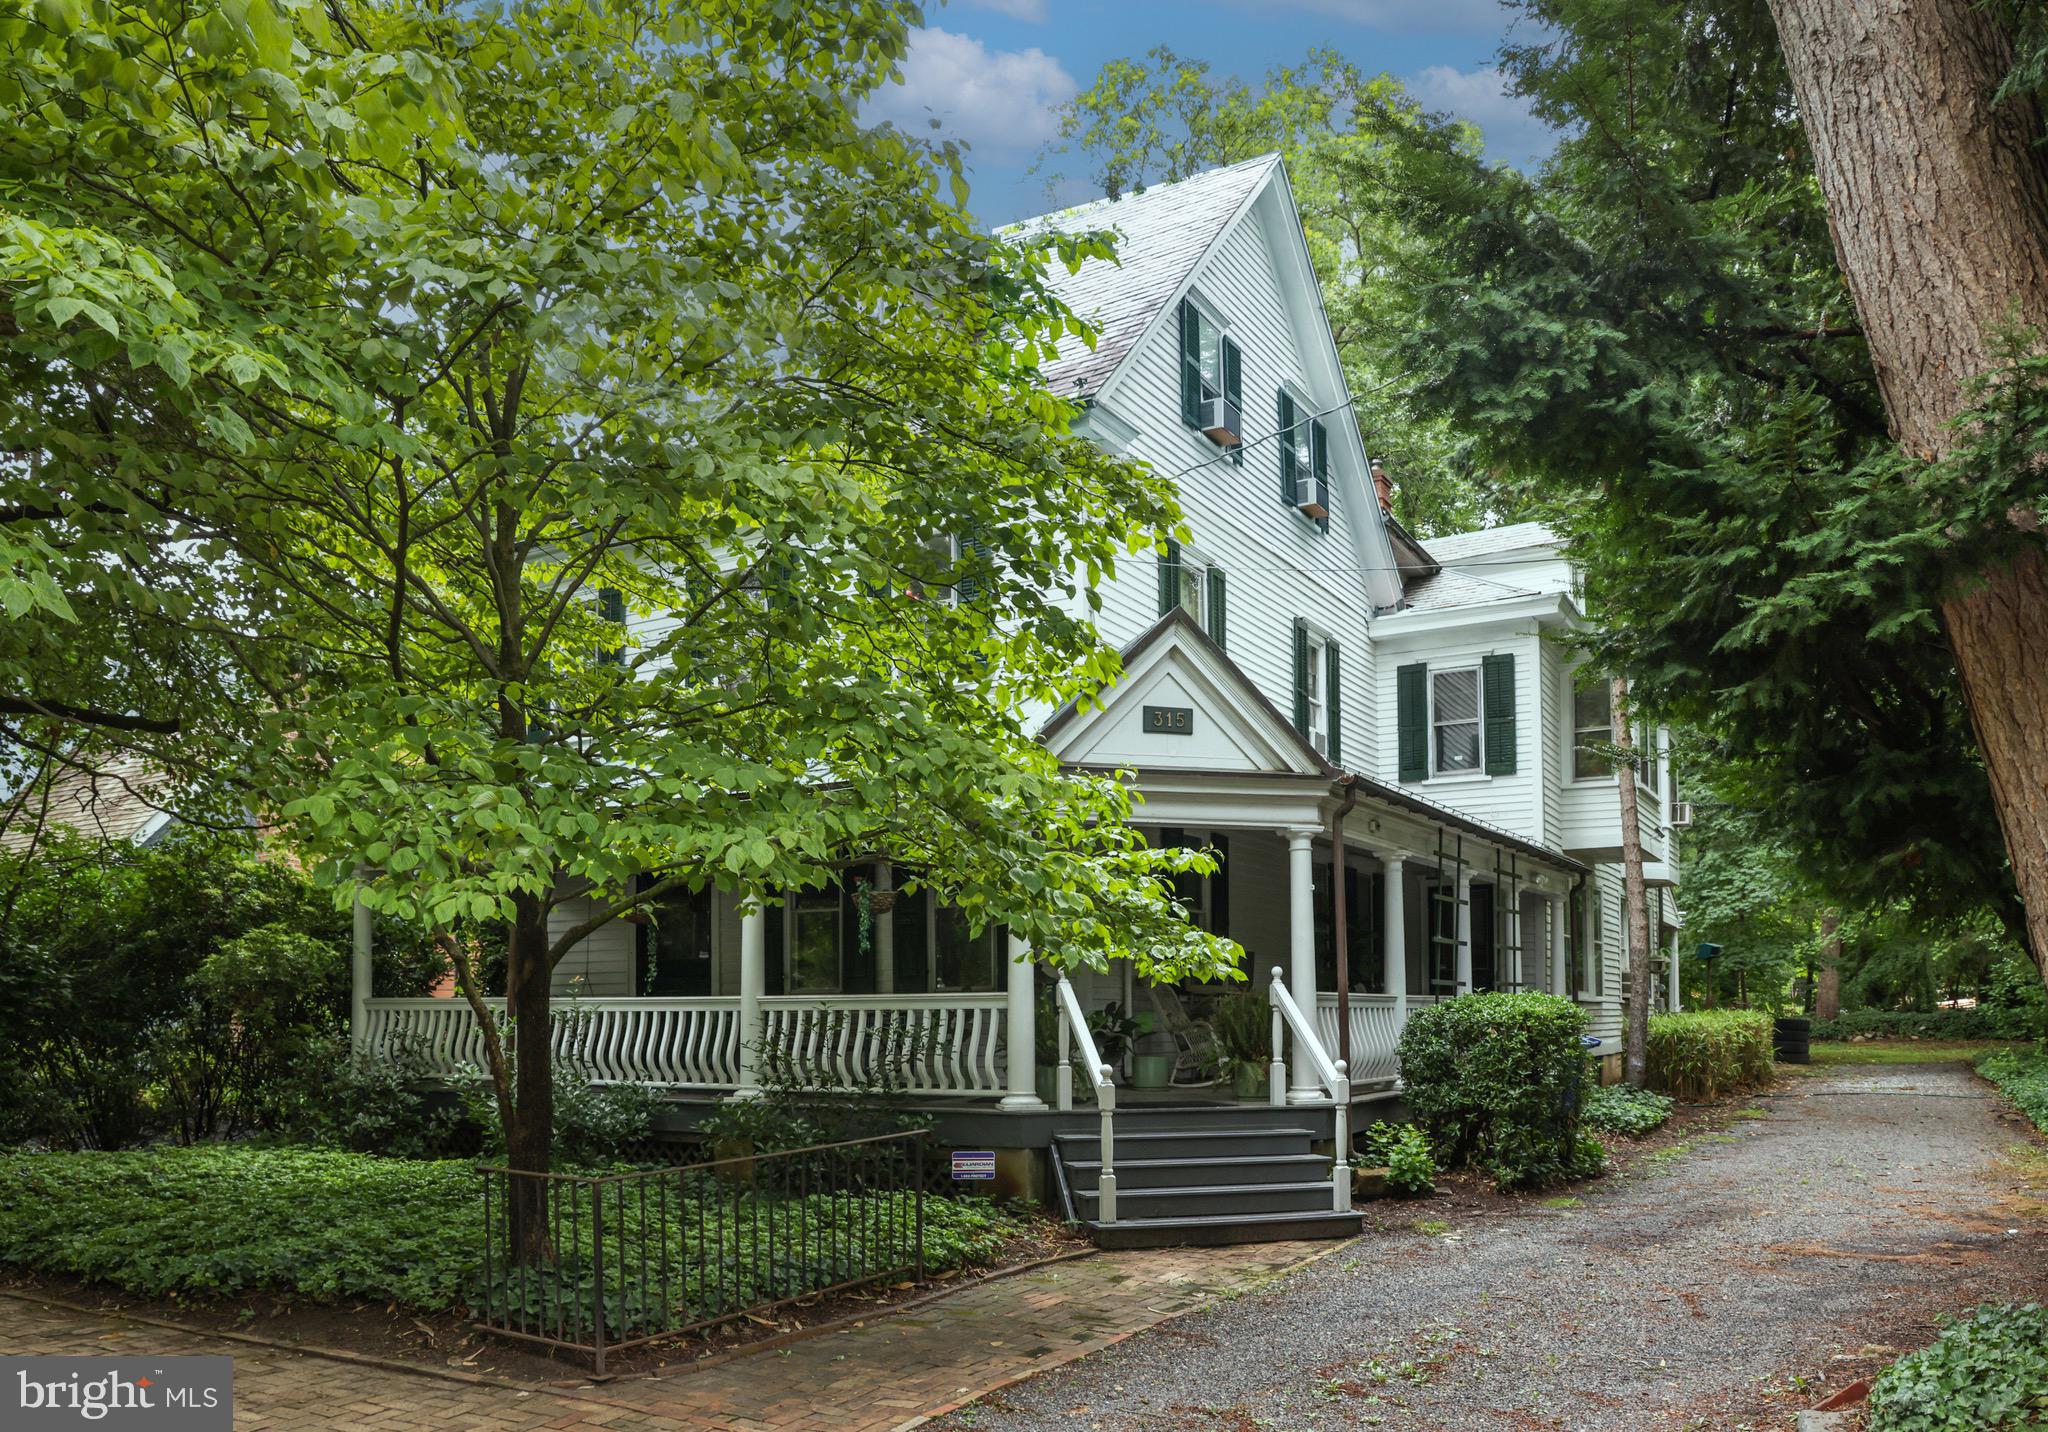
(1211, 381)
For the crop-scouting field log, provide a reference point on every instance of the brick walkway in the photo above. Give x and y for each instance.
(882, 1375)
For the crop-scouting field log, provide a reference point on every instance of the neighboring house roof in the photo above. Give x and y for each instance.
(1451, 587)
(110, 799)
(1162, 233)
(1463, 546)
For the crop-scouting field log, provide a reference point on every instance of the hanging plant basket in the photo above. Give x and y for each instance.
(881, 902)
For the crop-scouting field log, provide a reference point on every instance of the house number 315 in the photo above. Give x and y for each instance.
(1170, 720)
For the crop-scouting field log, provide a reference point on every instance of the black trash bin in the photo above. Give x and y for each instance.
(1792, 1040)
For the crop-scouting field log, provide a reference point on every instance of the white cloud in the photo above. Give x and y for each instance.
(1032, 10)
(999, 101)
(1513, 135)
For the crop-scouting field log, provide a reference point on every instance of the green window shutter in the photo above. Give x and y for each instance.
(1190, 364)
(1497, 674)
(1233, 395)
(1288, 449)
(1333, 688)
(1300, 671)
(1411, 700)
(1216, 616)
(972, 549)
(1169, 577)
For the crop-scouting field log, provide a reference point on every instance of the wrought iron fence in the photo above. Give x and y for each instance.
(597, 1263)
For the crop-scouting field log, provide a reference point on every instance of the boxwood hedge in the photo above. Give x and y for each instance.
(1499, 1081)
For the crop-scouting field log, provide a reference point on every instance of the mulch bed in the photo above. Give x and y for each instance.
(448, 1340)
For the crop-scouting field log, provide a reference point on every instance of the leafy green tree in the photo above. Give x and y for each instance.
(651, 488)
(1654, 333)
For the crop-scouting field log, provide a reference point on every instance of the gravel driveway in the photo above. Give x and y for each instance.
(1710, 1288)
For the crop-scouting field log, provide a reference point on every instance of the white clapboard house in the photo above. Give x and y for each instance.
(1302, 666)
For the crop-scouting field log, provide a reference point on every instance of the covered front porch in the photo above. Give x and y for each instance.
(1362, 900)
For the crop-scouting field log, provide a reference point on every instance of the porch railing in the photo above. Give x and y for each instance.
(686, 1043)
(948, 1044)
(1375, 1034)
(1330, 1073)
(600, 1263)
(1077, 1045)
(918, 1044)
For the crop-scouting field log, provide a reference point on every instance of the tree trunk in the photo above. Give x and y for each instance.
(530, 1121)
(1635, 905)
(1827, 1000)
(1938, 201)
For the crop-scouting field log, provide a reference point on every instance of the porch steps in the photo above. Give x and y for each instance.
(1187, 1177)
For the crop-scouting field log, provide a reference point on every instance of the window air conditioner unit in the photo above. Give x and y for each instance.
(1311, 497)
(1220, 421)
(1681, 815)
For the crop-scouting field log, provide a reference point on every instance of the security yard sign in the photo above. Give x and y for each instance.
(977, 1163)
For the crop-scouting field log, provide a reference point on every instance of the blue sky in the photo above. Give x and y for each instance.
(994, 70)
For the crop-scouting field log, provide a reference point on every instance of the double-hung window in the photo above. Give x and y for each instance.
(1592, 732)
(1211, 380)
(1315, 692)
(1454, 720)
(1195, 586)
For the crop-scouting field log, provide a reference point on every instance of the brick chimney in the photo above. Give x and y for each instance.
(1384, 486)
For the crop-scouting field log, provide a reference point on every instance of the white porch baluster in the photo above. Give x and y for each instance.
(1020, 1044)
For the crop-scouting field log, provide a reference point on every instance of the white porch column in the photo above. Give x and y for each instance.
(885, 932)
(1560, 955)
(1464, 916)
(1671, 976)
(359, 988)
(753, 982)
(1301, 945)
(1394, 944)
(1020, 1032)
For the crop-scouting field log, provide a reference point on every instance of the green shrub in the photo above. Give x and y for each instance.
(595, 1124)
(1625, 1109)
(1987, 1372)
(390, 1104)
(1983, 1022)
(1403, 1151)
(2023, 1075)
(1498, 1081)
(1709, 1053)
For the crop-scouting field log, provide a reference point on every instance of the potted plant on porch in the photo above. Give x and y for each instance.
(1244, 1040)
(1113, 1029)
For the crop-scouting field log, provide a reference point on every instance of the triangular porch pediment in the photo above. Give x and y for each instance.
(1182, 704)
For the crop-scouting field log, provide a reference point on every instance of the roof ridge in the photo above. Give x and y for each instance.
(1143, 191)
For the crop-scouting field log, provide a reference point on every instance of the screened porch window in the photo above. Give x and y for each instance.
(814, 942)
(1454, 717)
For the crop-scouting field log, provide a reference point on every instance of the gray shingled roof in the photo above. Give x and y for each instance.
(1162, 233)
(1461, 545)
(1453, 588)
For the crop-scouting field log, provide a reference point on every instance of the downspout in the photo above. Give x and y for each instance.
(1340, 928)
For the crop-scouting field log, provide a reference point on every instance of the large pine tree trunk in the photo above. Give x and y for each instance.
(1635, 902)
(1938, 200)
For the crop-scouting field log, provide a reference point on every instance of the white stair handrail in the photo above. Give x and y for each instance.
(1330, 1073)
(1074, 1027)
